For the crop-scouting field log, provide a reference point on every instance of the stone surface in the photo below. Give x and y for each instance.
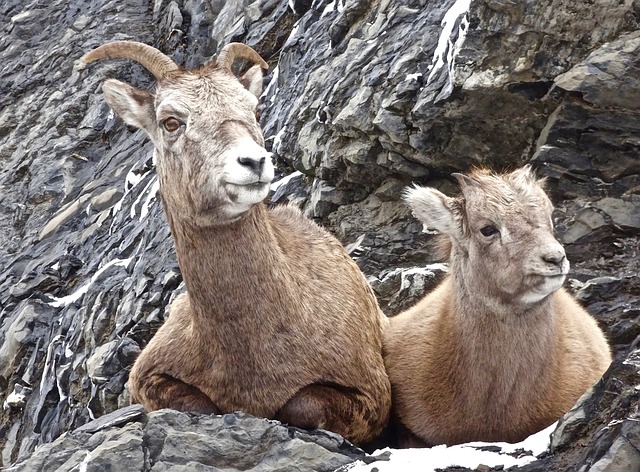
(168, 440)
(362, 99)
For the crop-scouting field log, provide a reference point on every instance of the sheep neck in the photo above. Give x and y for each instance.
(505, 350)
(232, 272)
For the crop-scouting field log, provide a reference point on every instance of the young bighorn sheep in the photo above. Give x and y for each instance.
(277, 321)
(499, 350)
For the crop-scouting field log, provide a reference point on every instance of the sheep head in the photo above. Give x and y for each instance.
(501, 234)
(209, 149)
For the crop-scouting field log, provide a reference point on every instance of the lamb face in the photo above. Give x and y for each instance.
(501, 233)
(509, 238)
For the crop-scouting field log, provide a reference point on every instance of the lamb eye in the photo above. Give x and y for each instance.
(488, 231)
(171, 124)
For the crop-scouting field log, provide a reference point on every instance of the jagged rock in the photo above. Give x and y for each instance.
(168, 440)
(398, 289)
(363, 98)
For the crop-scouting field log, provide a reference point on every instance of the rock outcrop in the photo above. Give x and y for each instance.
(362, 99)
(169, 440)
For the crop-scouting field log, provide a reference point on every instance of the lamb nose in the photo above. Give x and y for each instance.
(555, 259)
(255, 164)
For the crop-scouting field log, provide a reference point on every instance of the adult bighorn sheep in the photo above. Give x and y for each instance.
(277, 320)
(499, 350)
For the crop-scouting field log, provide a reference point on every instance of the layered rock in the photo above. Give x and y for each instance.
(169, 440)
(362, 99)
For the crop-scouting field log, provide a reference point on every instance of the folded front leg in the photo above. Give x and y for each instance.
(341, 410)
(164, 391)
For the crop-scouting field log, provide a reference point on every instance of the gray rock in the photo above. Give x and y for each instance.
(363, 99)
(606, 71)
(400, 288)
(622, 456)
(168, 440)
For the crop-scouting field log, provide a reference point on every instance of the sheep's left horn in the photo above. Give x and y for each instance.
(152, 59)
(233, 51)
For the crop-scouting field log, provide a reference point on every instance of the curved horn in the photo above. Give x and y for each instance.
(156, 62)
(233, 51)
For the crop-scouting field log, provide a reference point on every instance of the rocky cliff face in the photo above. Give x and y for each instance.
(362, 99)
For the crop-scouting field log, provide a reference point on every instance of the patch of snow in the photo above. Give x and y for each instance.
(21, 16)
(329, 8)
(435, 267)
(15, 399)
(83, 466)
(144, 211)
(614, 423)
(56, 266)
(48, 370)
(463, 455)
(61, 395)
(75, 296)
(132, 179)
(277, 140)
(271, 90)
(94, 390)
(411, 77)
(284, 180)
(447, 50)
(149, 192)
(292, 34)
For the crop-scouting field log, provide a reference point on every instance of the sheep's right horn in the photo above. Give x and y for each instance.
(155, 61)
(233, 51)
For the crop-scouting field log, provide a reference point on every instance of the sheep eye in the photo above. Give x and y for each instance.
(171, 124)
(488, 231)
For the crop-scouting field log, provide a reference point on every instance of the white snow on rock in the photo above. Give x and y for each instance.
(284, 180)
(467, 455)
(448, 48)
(75, 296)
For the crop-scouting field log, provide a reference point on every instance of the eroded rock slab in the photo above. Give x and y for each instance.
(168, 440)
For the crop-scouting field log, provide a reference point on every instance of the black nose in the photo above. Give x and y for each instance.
(253, 163)
(555, 259)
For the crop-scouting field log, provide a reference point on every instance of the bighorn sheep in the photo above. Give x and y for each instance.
(277, 320)
(499, 350)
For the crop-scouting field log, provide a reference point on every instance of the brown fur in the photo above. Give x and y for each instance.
(479, 358)
(267, 318)
(278, 321)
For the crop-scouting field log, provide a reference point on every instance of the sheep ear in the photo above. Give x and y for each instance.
(133, 105)
(431, 207)
(252, 80)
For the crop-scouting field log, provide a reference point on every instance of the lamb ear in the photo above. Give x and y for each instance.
(464, 180)
(252, 80)
(133, 105)
(527, 176)
(431, 207)
(525, 173)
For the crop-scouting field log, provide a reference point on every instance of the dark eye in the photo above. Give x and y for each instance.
(488, 231)
(171, 124)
